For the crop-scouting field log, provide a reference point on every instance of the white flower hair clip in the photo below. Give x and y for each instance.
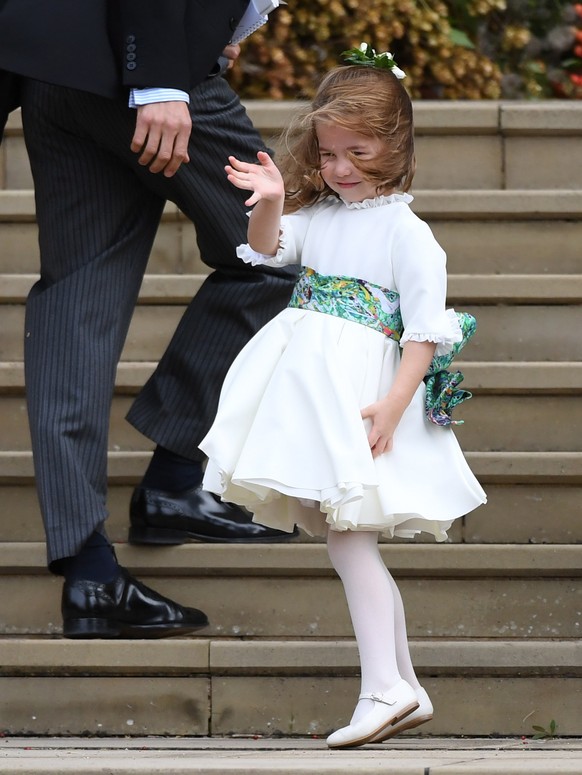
(366, 56)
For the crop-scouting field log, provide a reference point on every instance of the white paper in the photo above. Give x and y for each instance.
(254, 17)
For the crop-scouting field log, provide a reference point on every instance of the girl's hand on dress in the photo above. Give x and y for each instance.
(385, 417)
(386, 413)
(264, 179)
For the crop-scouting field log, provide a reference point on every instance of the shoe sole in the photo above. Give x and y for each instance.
(162, 537)
(402, 728)
(103, 628)
(377, 732)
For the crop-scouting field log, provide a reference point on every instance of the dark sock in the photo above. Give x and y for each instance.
(171, 472)
(95, 562)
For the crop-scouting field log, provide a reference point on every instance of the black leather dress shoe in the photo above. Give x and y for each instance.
(159, 517)
(123, 608)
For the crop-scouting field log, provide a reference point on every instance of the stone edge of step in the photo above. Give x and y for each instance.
(446, 204)
(417, 560)
(170, 289)
(482, 377)
(491, 467)
(508, 117)
(186, 656)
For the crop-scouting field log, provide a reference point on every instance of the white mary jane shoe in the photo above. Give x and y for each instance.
(419, 716)
(389, 708)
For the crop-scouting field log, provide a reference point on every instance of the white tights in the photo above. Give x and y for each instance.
(376, 611)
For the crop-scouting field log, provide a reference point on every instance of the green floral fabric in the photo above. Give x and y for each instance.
(351, 299)
(379, 308)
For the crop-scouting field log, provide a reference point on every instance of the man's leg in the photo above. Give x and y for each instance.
(96, 226)
(178, 404)
(9, 96)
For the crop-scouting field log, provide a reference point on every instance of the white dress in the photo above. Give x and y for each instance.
(288, 441)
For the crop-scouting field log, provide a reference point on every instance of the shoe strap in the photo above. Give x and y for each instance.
(378, 697)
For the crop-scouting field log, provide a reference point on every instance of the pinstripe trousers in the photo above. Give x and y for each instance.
(98, 211)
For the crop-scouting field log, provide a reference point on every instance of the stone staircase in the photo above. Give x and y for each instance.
(494, 615)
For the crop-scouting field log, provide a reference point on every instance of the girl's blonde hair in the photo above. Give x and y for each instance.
(366, 100)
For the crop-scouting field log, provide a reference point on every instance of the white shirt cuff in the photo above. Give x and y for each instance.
(139, 97)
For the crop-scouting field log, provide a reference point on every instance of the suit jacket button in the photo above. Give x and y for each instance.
(131, 66)
(130, 39)
(130, 57)
(130, 47)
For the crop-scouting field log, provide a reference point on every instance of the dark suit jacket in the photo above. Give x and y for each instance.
(105, 46)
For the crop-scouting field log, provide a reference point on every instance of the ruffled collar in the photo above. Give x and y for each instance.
(378, 201)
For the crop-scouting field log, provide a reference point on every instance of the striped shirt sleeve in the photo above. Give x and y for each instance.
(139, 97)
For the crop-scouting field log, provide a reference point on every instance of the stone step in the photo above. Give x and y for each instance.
(300, 559)
(485, 378)
(290, 590)
(514, 514)
(515, 467)
(184, 656)
(505, 332)
(171, 289)
(289, 756)
(516, 315)
(482, 232)
(495, 422)
(445, 204)
(520, 633)
(487, 144)
(175, 249)
(199, 686)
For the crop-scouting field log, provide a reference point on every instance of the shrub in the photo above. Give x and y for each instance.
(450, 49)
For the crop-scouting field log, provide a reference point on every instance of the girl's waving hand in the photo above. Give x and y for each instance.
(263, 179)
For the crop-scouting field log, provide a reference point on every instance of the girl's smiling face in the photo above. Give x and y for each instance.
(337, 147)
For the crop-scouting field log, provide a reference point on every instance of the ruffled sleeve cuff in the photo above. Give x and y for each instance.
(284, 255)
(447, 333)
(250, 256)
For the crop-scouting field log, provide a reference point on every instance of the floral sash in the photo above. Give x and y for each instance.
(378, 308)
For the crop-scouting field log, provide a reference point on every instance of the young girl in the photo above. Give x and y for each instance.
(322, 418)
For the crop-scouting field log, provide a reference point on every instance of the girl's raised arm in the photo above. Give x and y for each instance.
(266, 183)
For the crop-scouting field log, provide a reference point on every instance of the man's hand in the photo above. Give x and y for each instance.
(161, 136)
(232, 53)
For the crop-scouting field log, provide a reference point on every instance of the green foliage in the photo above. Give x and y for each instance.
(460, 38)
(541, 733)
